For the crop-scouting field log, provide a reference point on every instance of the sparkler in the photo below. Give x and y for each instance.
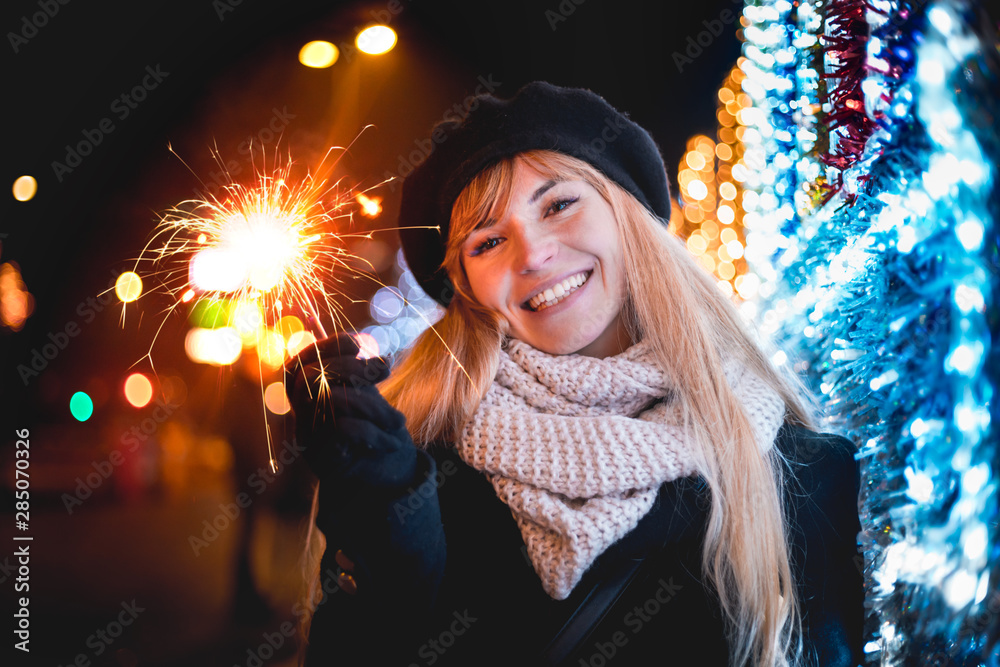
(267, 249)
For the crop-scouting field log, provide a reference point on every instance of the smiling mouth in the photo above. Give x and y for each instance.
(558, 292)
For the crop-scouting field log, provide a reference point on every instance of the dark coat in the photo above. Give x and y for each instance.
(442, 576)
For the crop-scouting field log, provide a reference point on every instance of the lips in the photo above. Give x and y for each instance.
(557, 291)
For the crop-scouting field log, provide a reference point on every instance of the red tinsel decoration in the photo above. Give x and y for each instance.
(847, 42)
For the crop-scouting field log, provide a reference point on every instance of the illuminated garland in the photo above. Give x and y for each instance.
(886, 294)
(711, 192)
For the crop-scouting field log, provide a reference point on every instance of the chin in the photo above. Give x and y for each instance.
(563, 346)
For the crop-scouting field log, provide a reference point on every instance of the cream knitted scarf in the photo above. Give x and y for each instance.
(577, 447)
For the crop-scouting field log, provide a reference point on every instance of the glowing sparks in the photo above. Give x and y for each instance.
(370, 206)
(265, 248)
(253, 265)
(253, 255)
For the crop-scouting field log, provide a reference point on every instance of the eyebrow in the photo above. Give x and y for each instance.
(536, 195)
(541, 191)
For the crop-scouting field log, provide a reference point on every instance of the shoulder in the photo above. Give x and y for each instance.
(822, 480)
(824, 458)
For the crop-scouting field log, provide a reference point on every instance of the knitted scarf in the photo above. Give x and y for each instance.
(577, 447)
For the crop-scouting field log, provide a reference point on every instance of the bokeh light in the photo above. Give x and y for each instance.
(271, 348)
(318, 54)
(368, 345)
(25, 188)
(80, 406)
(138, 390)
(128, 287)
(376, 40)
(289, 325)
(247, 318)
(299, 341)
(16, 304)
(218, 347)
(275, 399)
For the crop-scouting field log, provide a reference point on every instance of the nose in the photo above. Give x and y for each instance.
(536, 246)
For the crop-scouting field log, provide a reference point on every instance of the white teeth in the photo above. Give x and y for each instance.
(555, 293)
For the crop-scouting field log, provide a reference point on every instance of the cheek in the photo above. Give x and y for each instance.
(486, 286)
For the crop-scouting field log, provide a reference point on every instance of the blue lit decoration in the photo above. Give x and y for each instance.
(871, 212)
(401, 312)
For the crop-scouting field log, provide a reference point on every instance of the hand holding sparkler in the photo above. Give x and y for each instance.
(350, 432)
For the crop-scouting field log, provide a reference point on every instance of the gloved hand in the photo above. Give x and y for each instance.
(349, 432)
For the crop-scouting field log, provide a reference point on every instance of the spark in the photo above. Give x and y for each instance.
(263, 250)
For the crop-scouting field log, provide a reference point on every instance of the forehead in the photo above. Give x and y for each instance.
(526, 186)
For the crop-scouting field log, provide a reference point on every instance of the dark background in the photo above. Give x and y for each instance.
(231, 69)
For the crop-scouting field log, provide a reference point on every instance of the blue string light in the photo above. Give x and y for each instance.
(887, 292)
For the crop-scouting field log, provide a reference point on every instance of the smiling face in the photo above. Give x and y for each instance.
(550, 264)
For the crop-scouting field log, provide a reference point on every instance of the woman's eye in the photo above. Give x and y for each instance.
(485, 245)
(561, 205)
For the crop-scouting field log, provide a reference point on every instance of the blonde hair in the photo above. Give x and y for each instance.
(690, 322)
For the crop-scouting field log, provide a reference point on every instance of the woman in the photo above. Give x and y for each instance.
(588, 458)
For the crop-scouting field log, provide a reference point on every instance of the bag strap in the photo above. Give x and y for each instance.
(582, 622)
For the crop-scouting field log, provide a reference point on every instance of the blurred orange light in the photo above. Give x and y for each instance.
(188, 295)
(271, 348)
(25, 188)
(695, 160)
(697, 190)
(376, 40)
(710, 230)
(128, 287)
(694, 214)
(299, 341)
(289, 325)
(275, 398)
(219, 347)
(16, 304)
(318, 54)
(138, 390)
(697, 244)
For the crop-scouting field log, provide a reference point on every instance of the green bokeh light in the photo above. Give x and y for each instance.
(81, 406)
(211, 313)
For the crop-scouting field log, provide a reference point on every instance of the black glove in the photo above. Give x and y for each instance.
(349, 431)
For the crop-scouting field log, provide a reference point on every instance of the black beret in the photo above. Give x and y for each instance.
(540, 116)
